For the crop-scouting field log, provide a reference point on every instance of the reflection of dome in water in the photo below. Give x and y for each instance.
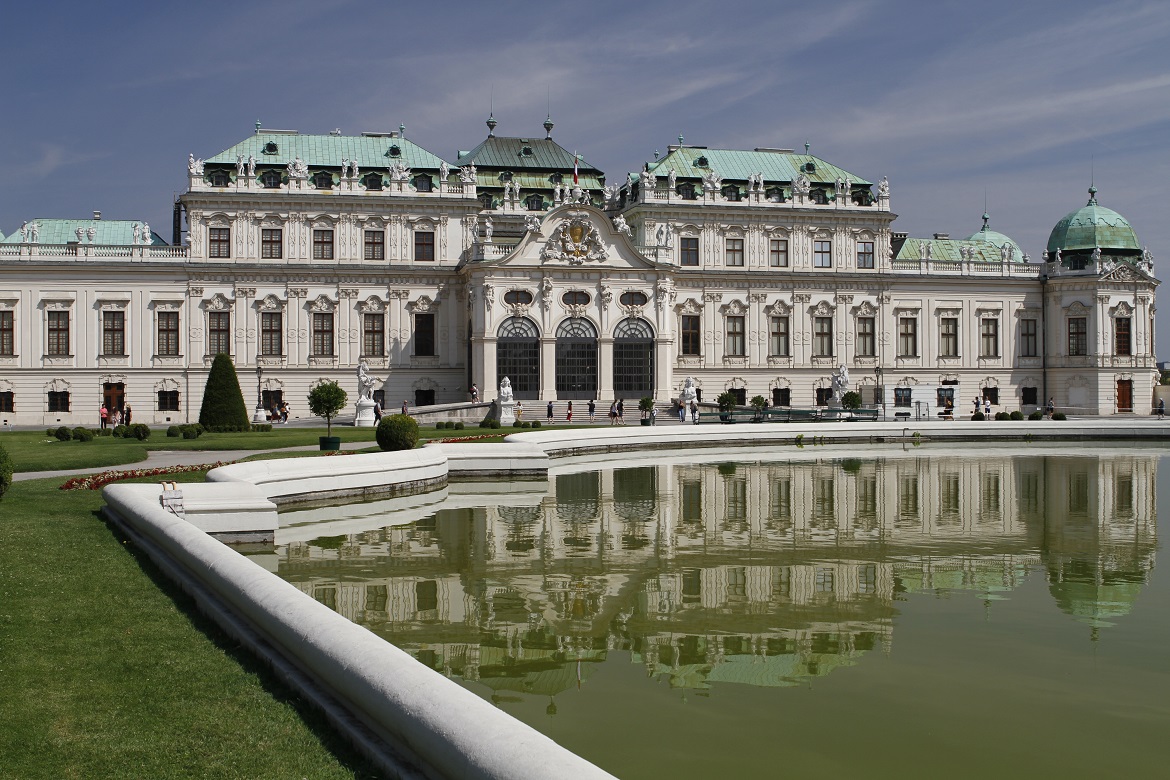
(1094, 592)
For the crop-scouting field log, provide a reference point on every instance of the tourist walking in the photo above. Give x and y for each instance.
(117, 418)
(695, 412)
(682, 411)
(405, 407)
(569, 413)
(474, 391)
(613, 413)
(592, 409)
(284, 411)
(550, 412)
(653, 416)
(1161, 408)
(621, 410)
(104, 413)
(377, 413)
(987, 408)
(1048, 410)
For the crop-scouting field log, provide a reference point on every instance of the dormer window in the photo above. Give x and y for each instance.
(575, 298)
(810, 167)
(686, 190)
(534, 202)
(323, 180)
(394, 151)
(515, 297)
(506, 176)
(633, 299)
(485, 200)
(373, 181)
(526, 151)
(270, 148)
(775, 195)
(702, 162)
(219, 179)
(423, 183)
(556, 178)
(731, 192)
(270, 180)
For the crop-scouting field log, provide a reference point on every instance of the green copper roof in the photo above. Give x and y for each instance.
(1093, 226)
(737, 165)
(985, 233)
(509, 154)
(947, 249)
(327, 151)
(109, 232)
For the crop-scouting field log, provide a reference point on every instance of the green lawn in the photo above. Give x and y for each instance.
(109, 671)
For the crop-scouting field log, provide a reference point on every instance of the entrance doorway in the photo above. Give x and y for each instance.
(518, 357)
(272, 399)
(114, 395)
(633, 359)
(576, 369)
(1124, 395)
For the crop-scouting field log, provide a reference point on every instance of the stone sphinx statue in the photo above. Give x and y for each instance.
(505, 390)
(688, 393)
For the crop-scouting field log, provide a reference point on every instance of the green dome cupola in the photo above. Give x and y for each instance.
(1094, 226)
(996, 238)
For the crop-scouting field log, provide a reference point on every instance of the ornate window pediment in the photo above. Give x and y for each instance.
(322, 303)
(423, 305)
(778, 309)
(166, 385)
(690, 306)
(57, 386)
(865, 309)
(824, 309)
(1076, 309)
(373, 305)
(1122, 309)
(734, 308)
(218, 302)
(270, 303)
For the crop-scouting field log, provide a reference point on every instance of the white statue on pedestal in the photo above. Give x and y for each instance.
(688, 393)
(365, 416)
(507, 402)
(840, 385)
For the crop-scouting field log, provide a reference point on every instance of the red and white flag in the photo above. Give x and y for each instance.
(575, 158)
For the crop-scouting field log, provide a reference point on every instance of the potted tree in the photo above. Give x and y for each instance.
(759, 403)
(851, 401)
(325, 400)
(726, 401)
(645, 406)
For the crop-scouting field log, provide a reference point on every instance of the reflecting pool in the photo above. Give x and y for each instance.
(972, 614)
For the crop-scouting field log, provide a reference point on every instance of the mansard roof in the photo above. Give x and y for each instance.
(777, 165)
(947, 250)
(368, 150)
(107, 232)
(508, 153)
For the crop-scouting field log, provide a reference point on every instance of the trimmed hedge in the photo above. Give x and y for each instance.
(82, 434)
(63, 434)
(1001, 416)
(1016, 415)
(174, 432)
(536, 423)
(1058, 416)
(1036, 415)
(223, 403)
(459, 426)
(397, 432)
(977, 417)
(6, 468)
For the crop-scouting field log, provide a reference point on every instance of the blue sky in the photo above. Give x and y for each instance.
(953, 101)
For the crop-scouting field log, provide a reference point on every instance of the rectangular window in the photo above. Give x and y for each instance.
(822, 336)
(168, 333)
(907, 337)
(866, 341)
(113, 333)
(219, 242)
(824, 395)
(1029, 396)
(219, 333)
(271, 243)
(7, 401)
(781, 396)
(948, 342)
(780, 345)
(865, 254)
(989, 338)
(271, 333)
(322, 244)
(990, 394)
(1122, 337)
(690, 334)
(58, 401)
(424, 335)
(1028, 338)
(778, 253)
(7, 333)
(823, 254)
(375, 245)
(58, 341)
(168, 400)
(733, 252)
(688, 251)
(902, 396)
(323, 334)
(424, 245)
(735, 336)
(374, 335)
(1078, 336)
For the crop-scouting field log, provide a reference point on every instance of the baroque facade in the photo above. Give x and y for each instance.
(760, 272)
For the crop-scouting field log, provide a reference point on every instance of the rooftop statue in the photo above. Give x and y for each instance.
(621, 226)
(194, 166)
(444, 171)
(251, 166)
(145, 233)
(884, 188)
(240, 166)
(671, 178)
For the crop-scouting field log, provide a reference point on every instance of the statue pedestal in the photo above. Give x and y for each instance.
(507, 412)
(365, 414)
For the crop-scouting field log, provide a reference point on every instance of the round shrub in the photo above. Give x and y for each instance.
(484, 424)
(494, 424)
(5, 472)
(1016, 415)
(82, 434)
(189, 431)
(459, 426)
(1036, 415)
(121, 431)
(1059, 416)
(174, 432)
(140, 431)
(199, 429)
(104, 432)
(536, 423)
(526, 424)
(50, 432)
(517, 424)
(1001, 416)
(978, 416)
(397, 432)
(63, 434)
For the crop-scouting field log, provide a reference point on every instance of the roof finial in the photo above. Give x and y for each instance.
(655, 154)
(1092, 181)
(491, 123)
(548, 126)
(806, 147)
(257, 125)
(401, 130)
(680, 139)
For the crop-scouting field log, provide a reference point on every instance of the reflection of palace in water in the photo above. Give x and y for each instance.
(765, 574)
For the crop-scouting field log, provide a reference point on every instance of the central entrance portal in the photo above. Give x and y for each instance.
(633, 359)
(518, 357)
(576, 360)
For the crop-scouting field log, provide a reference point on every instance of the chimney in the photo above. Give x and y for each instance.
(942, 236)
(97, 215)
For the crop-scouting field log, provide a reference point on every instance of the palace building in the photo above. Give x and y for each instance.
(758, 272)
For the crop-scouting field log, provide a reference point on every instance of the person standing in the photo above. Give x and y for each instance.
(405, 407)
(592, 409)
(695, 412)
(976, 404)
(987, 408)
(127, 416)
(377, 413)
(569, 413)
(682, 411)
(621, 410)
(549, 414)
(653, 416)
(474, 391)
(1050, 408)
(519, 410)
(613, 413)
(104, 413)
(1161, 408)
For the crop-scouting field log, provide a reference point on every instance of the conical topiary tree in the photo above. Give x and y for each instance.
(223, 403)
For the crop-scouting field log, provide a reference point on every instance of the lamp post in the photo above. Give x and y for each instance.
(261, 414)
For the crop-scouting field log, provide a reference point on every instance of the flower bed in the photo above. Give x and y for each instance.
(99, 481)
(456, 439)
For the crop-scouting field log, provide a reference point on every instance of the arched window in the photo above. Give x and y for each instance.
(534, 202)
(373, 181)
(518, 328)
(423, 183)
(686, 190)
(819, 196)
(270, 180)
(514, 297)
(633, 358)
(575, 298)
(485, 200)
(731, 192)
(633, 299)
(518, 355)
(576, 328)
(775, 195)
(633, 328)
(323, 180)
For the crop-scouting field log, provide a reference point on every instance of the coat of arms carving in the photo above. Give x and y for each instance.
(575, 241)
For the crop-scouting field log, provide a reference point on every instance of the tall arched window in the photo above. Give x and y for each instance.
(633, 358)
(518, 356)
(576, 356)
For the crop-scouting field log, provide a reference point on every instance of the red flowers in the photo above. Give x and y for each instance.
(99, 481)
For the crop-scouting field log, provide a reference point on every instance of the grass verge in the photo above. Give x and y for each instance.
(110, 671)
